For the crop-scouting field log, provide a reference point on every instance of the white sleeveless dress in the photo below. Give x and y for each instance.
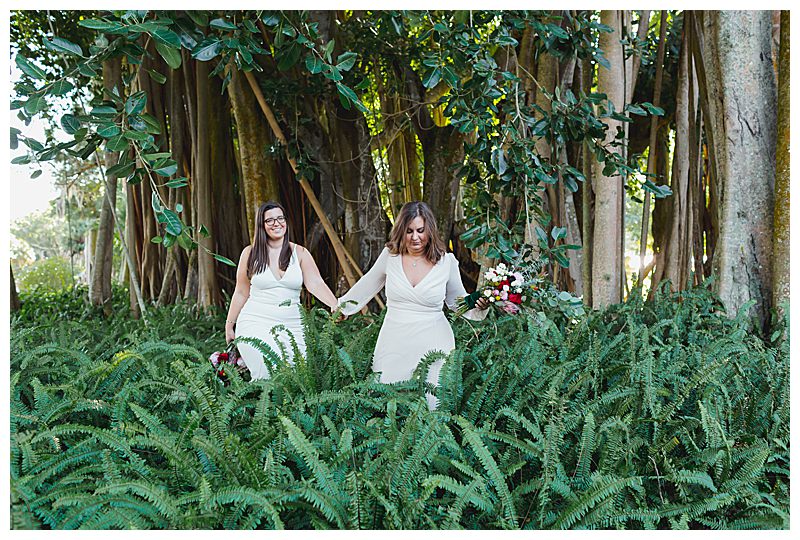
(415, 323)
(272, 302)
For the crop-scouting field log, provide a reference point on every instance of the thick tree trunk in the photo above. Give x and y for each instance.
(441, 148)
(606, 261)
(224, 186)
(133, 240)
(403, 181)
(170, 284)
(14, 298)
(207, 289)
(742, 116)
(364, 223)
(259, 178)
(547, 75)
(587, 200)
(652, 151)
(100, 289)
(676, 256)
(780, 239)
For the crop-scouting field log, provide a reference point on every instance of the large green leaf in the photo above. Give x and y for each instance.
(156, 76)
(28, 68)
(151, 124)
(108, 131)
(34, 105)
(207, 49)
(70, 123)
(121, 170)
(117, 144)
(172, 56)
(166, 37)
(289, 57)
(314, 64)
(168, 169)
(346, 61)
(222, 24)
(136, 135)
(60, 87)
(499, 161)
(431, 78)
(174, 225)
(136, 102)
(177, 182)
(198, 17)
(58, 44)
(224, 260)
(102, 26)
(103, 110)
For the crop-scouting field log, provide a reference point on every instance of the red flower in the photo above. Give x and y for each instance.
(515, 298)
(223, 357)
(504, 282)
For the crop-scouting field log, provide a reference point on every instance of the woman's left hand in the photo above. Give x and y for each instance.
(482, 303)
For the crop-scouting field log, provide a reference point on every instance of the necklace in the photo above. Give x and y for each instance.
(414, 262)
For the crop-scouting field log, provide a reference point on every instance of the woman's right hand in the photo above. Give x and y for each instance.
(230, 335)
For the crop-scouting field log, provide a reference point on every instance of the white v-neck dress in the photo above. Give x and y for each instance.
(415, 323)
(272, 302)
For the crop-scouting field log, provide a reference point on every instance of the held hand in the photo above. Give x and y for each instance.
(230, 335)
(340, 316)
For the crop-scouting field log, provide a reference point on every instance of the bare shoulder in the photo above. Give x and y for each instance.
(246, 253)
(301, 251)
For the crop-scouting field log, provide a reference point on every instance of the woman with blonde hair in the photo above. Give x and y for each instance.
(420, 277)
(270, 274)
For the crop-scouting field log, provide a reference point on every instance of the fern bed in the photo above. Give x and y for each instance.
(657, 415)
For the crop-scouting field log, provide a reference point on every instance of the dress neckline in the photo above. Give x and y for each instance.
(291, 260)
(403, 271)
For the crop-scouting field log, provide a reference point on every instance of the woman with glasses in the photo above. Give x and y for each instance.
(270, 274)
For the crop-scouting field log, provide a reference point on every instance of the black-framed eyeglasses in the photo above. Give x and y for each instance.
(272, 221)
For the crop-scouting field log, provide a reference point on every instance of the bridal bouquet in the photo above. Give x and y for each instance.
(506, 288)
(229, 357)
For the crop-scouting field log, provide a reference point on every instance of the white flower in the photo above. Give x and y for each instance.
(491, 299)
(487, 292)
(518, 290)
(505, 288)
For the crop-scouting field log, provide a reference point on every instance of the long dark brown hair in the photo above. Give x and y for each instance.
(397, 238)
(259, 254)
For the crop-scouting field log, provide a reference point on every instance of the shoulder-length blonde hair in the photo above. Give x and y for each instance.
(435, 248)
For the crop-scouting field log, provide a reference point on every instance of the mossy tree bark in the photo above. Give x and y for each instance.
(742, 117)
(780, 238)
(259, 177)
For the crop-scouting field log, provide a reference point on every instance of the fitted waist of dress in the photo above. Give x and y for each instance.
(272, 302)
(418, 310)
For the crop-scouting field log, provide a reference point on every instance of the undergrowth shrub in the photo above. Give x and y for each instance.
(648, 415)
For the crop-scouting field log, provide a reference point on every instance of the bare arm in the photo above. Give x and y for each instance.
(312, 280)
(240, 294)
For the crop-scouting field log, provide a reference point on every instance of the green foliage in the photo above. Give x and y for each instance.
(647, 415)
(45, 275)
